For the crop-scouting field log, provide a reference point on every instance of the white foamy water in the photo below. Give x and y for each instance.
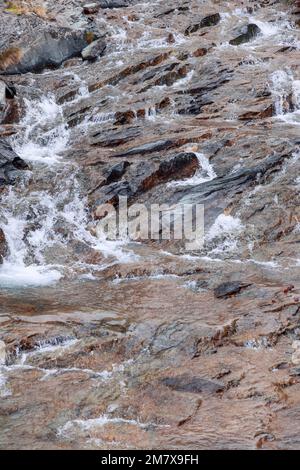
(87, 425)
(83, 89)
(184, 81)
(294, 117)
(99, 118)
(276, 28)
(146, 41)
(151, 113)
(286, 92)
(41, 225)
(14, 271)
(38, 141)
(20, 275)
(76, 426)
(271, 29)
(59, 219)
(223, 234)
(54, 349)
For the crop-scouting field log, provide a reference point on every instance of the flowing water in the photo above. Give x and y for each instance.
(109, 333)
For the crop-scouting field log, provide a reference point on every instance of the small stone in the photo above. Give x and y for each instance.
(185, 383)
(171, 38)
(116, 172)
(252, 30)
(150, 147)
(94, 50)
(229, 288)
(10, 162)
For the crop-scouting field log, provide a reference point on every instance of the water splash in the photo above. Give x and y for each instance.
(45, 134)
(223, 234)
(286, 92)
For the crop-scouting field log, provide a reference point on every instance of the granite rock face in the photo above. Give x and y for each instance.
(134, 344)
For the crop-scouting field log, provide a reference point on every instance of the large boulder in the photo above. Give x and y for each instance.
(48, 49)
(10, 164)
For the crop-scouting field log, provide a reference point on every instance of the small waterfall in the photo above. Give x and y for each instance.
(286, 93)
(45, 135)
(43, 138)
(44, 224)
(151, 113)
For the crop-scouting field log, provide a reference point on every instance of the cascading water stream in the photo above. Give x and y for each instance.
(286, 91)
(103, 363)
(40, 251)
(43, 226)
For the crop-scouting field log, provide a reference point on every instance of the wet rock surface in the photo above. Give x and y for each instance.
(229, 288)
(10, 164)
(210, 20)
(122, 345)
(48, 49)
(251, 31)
